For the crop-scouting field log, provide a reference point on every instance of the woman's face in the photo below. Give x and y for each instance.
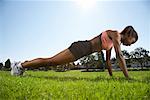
(128, 40)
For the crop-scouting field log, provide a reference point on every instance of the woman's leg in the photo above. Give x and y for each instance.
(65, 56)
(61, 58)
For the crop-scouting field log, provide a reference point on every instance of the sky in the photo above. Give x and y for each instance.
(42, 28)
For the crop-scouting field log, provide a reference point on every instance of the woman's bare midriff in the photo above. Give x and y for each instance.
(96, 44)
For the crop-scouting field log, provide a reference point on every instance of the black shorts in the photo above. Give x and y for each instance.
(80, 49)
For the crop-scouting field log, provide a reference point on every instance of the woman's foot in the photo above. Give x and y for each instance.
(17, 69)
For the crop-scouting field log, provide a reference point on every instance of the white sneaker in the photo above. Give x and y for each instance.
(17, 69)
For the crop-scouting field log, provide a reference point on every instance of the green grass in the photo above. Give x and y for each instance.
(75, 85)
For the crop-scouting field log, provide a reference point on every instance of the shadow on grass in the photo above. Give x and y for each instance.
(97, 79)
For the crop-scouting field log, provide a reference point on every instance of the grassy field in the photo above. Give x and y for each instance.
(75, 85)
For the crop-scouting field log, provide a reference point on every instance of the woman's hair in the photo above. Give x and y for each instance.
(129, 30)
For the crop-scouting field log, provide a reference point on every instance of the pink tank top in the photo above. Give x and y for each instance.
(106, 41)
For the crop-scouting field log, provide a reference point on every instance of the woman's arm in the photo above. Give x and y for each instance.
(108, 62)
(122, 64)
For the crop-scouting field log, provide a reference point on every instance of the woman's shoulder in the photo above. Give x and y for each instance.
(113, 33)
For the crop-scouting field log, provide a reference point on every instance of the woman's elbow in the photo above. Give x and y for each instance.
(119, 56)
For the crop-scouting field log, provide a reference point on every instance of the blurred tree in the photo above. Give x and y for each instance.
(140, 55)
(7, 64)
(1, 66)
(95, 60)
(101, 63)
(127, 56)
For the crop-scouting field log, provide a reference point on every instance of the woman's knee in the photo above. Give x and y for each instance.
(47, 61)
(43, 61)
